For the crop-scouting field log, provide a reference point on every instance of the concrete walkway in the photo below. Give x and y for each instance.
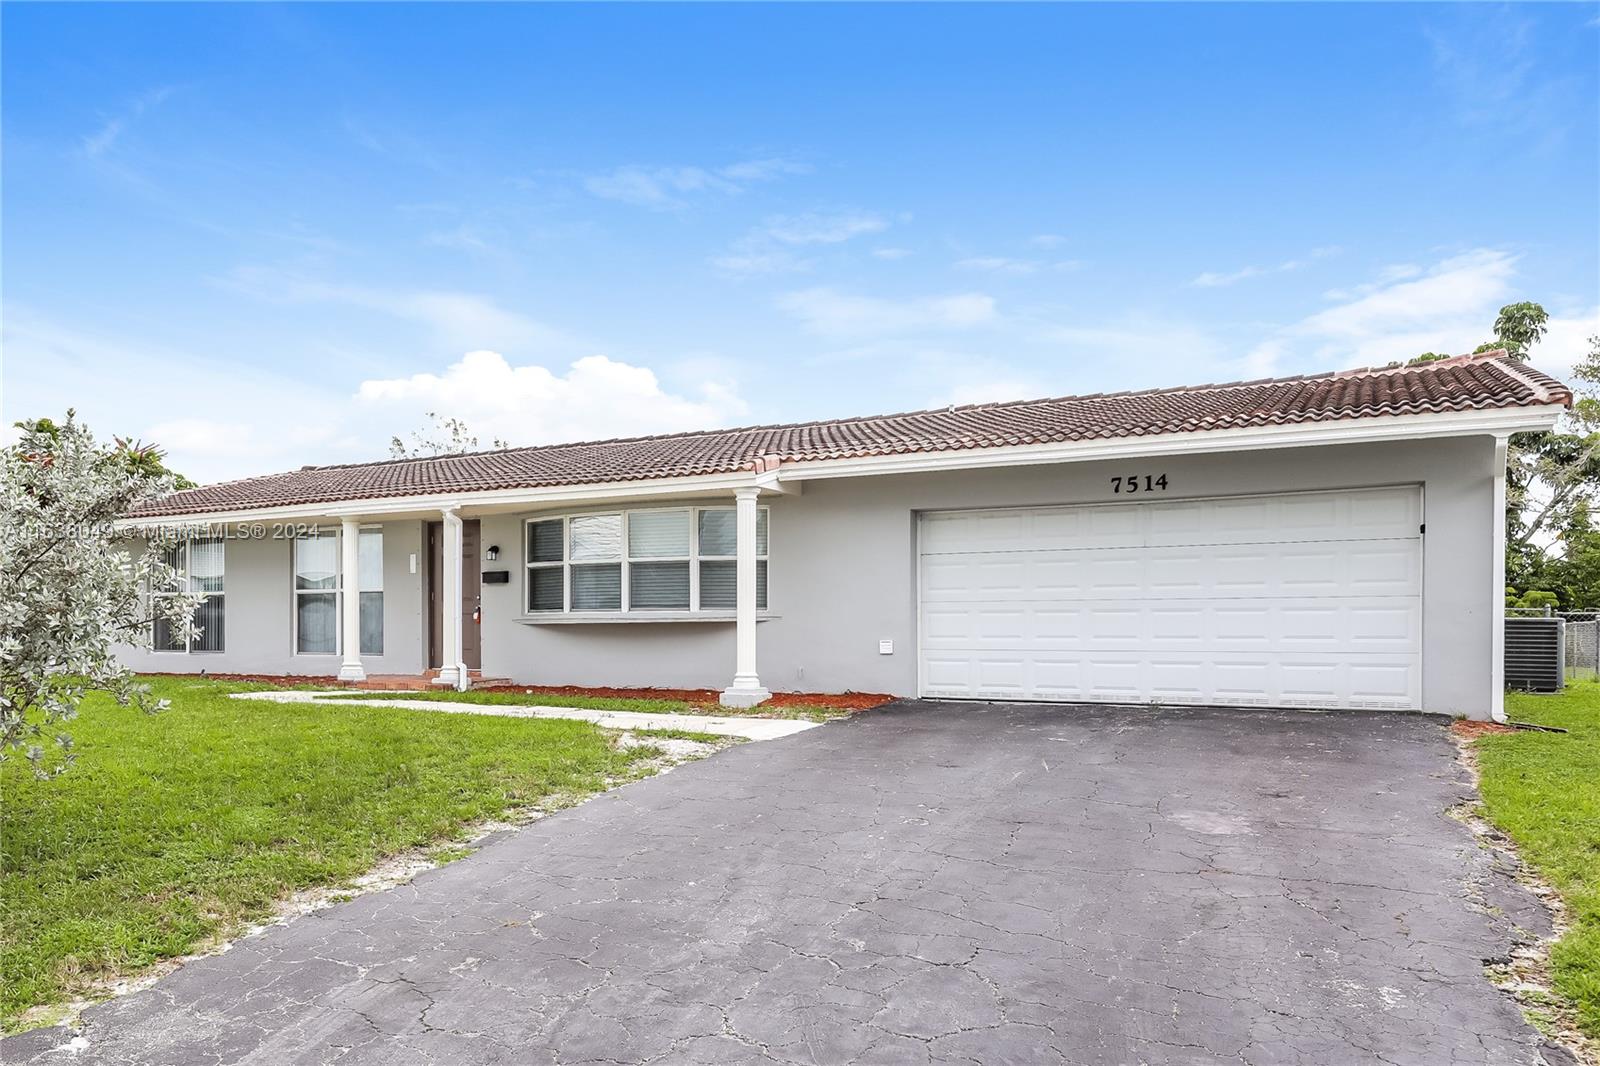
(720, 725)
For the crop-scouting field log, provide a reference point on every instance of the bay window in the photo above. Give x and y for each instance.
(660, 559)
(199, 563)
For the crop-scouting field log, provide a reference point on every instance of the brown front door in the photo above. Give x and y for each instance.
(471, 592)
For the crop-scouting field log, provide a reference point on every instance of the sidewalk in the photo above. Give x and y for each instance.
(723, 726)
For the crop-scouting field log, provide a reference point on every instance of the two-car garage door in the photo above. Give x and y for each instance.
(1299, 600)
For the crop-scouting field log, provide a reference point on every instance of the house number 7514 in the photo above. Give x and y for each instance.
(1140, 483)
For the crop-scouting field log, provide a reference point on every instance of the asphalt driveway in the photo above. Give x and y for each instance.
(922, 883)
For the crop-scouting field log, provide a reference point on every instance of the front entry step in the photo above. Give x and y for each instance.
(475, 679)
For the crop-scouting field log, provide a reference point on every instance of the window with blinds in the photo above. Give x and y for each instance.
(316, 594)
(369, 569)
(200, 568)
(719, 564)
(658, 560)
(661, 559)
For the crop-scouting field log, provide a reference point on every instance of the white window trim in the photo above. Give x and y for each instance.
(629, 558)
(626, 561)
(383, 604)
(183, 571)
(761, 556)
(620, 562)
(296, 592)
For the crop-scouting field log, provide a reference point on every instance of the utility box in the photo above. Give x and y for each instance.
(1536, 654)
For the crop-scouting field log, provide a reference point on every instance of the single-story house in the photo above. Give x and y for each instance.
(1327, 541)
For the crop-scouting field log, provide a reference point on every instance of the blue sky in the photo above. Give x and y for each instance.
(270, 235)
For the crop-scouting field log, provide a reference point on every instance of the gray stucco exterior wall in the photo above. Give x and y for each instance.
(843, 577)
(843, 571)
(258, 580)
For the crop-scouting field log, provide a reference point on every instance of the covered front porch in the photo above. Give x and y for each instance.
(574, 586)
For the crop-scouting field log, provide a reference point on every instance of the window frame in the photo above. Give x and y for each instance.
(625, 560)
(337, 591)
(361, 575)
(180, 551)
(628, 558)
(761, 556)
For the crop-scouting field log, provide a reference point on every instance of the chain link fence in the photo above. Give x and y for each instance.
(1583, 645)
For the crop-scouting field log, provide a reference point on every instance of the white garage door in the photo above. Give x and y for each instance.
(1300, 600)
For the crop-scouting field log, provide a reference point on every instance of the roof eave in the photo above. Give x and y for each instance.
(1498, 422)
(786, 477)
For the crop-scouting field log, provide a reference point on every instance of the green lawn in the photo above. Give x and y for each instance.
(179, 827)
(1544, 790)
(603, 703)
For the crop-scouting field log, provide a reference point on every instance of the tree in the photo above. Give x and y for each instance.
(1517, 328)
(442, 436)
(143, 458)
(68, 593)
(1552, 479)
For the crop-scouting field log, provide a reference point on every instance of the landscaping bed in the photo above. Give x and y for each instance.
(810, 706)
(842, 701)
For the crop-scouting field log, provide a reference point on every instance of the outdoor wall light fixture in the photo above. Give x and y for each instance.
(493, 553)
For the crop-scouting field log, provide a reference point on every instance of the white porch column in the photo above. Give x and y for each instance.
(746, 690)
(453, 671)
(1497, 598)
(350, 600)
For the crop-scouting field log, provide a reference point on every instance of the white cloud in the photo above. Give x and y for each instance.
(763, 169)
(995, 264)
(1489, 66)
(890, 253)
(1148, 350)
(767, 248)
(821, 228)
(1566, 342)
(1450, 308)
(1456, 289)
(669, 187)
(121, 388)
(457, 320)
(464, 239)
(746, 261)
(829, 312)
(987, 384)
(1218, 279)
(102, 140)
(1047, 240)
(1213, 280)
(1386, 276)
(596, 397)
(222, 418)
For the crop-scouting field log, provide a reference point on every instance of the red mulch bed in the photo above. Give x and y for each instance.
(268, 679)
(1468, 729)
(850, 701)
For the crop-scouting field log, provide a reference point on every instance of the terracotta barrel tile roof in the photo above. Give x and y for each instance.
(1463, 383)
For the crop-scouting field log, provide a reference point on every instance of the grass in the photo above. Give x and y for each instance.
(175, 829)
(1543, 789)
(601, 703)
(687, 734)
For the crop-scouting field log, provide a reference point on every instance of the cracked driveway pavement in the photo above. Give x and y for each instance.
(921, 883)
